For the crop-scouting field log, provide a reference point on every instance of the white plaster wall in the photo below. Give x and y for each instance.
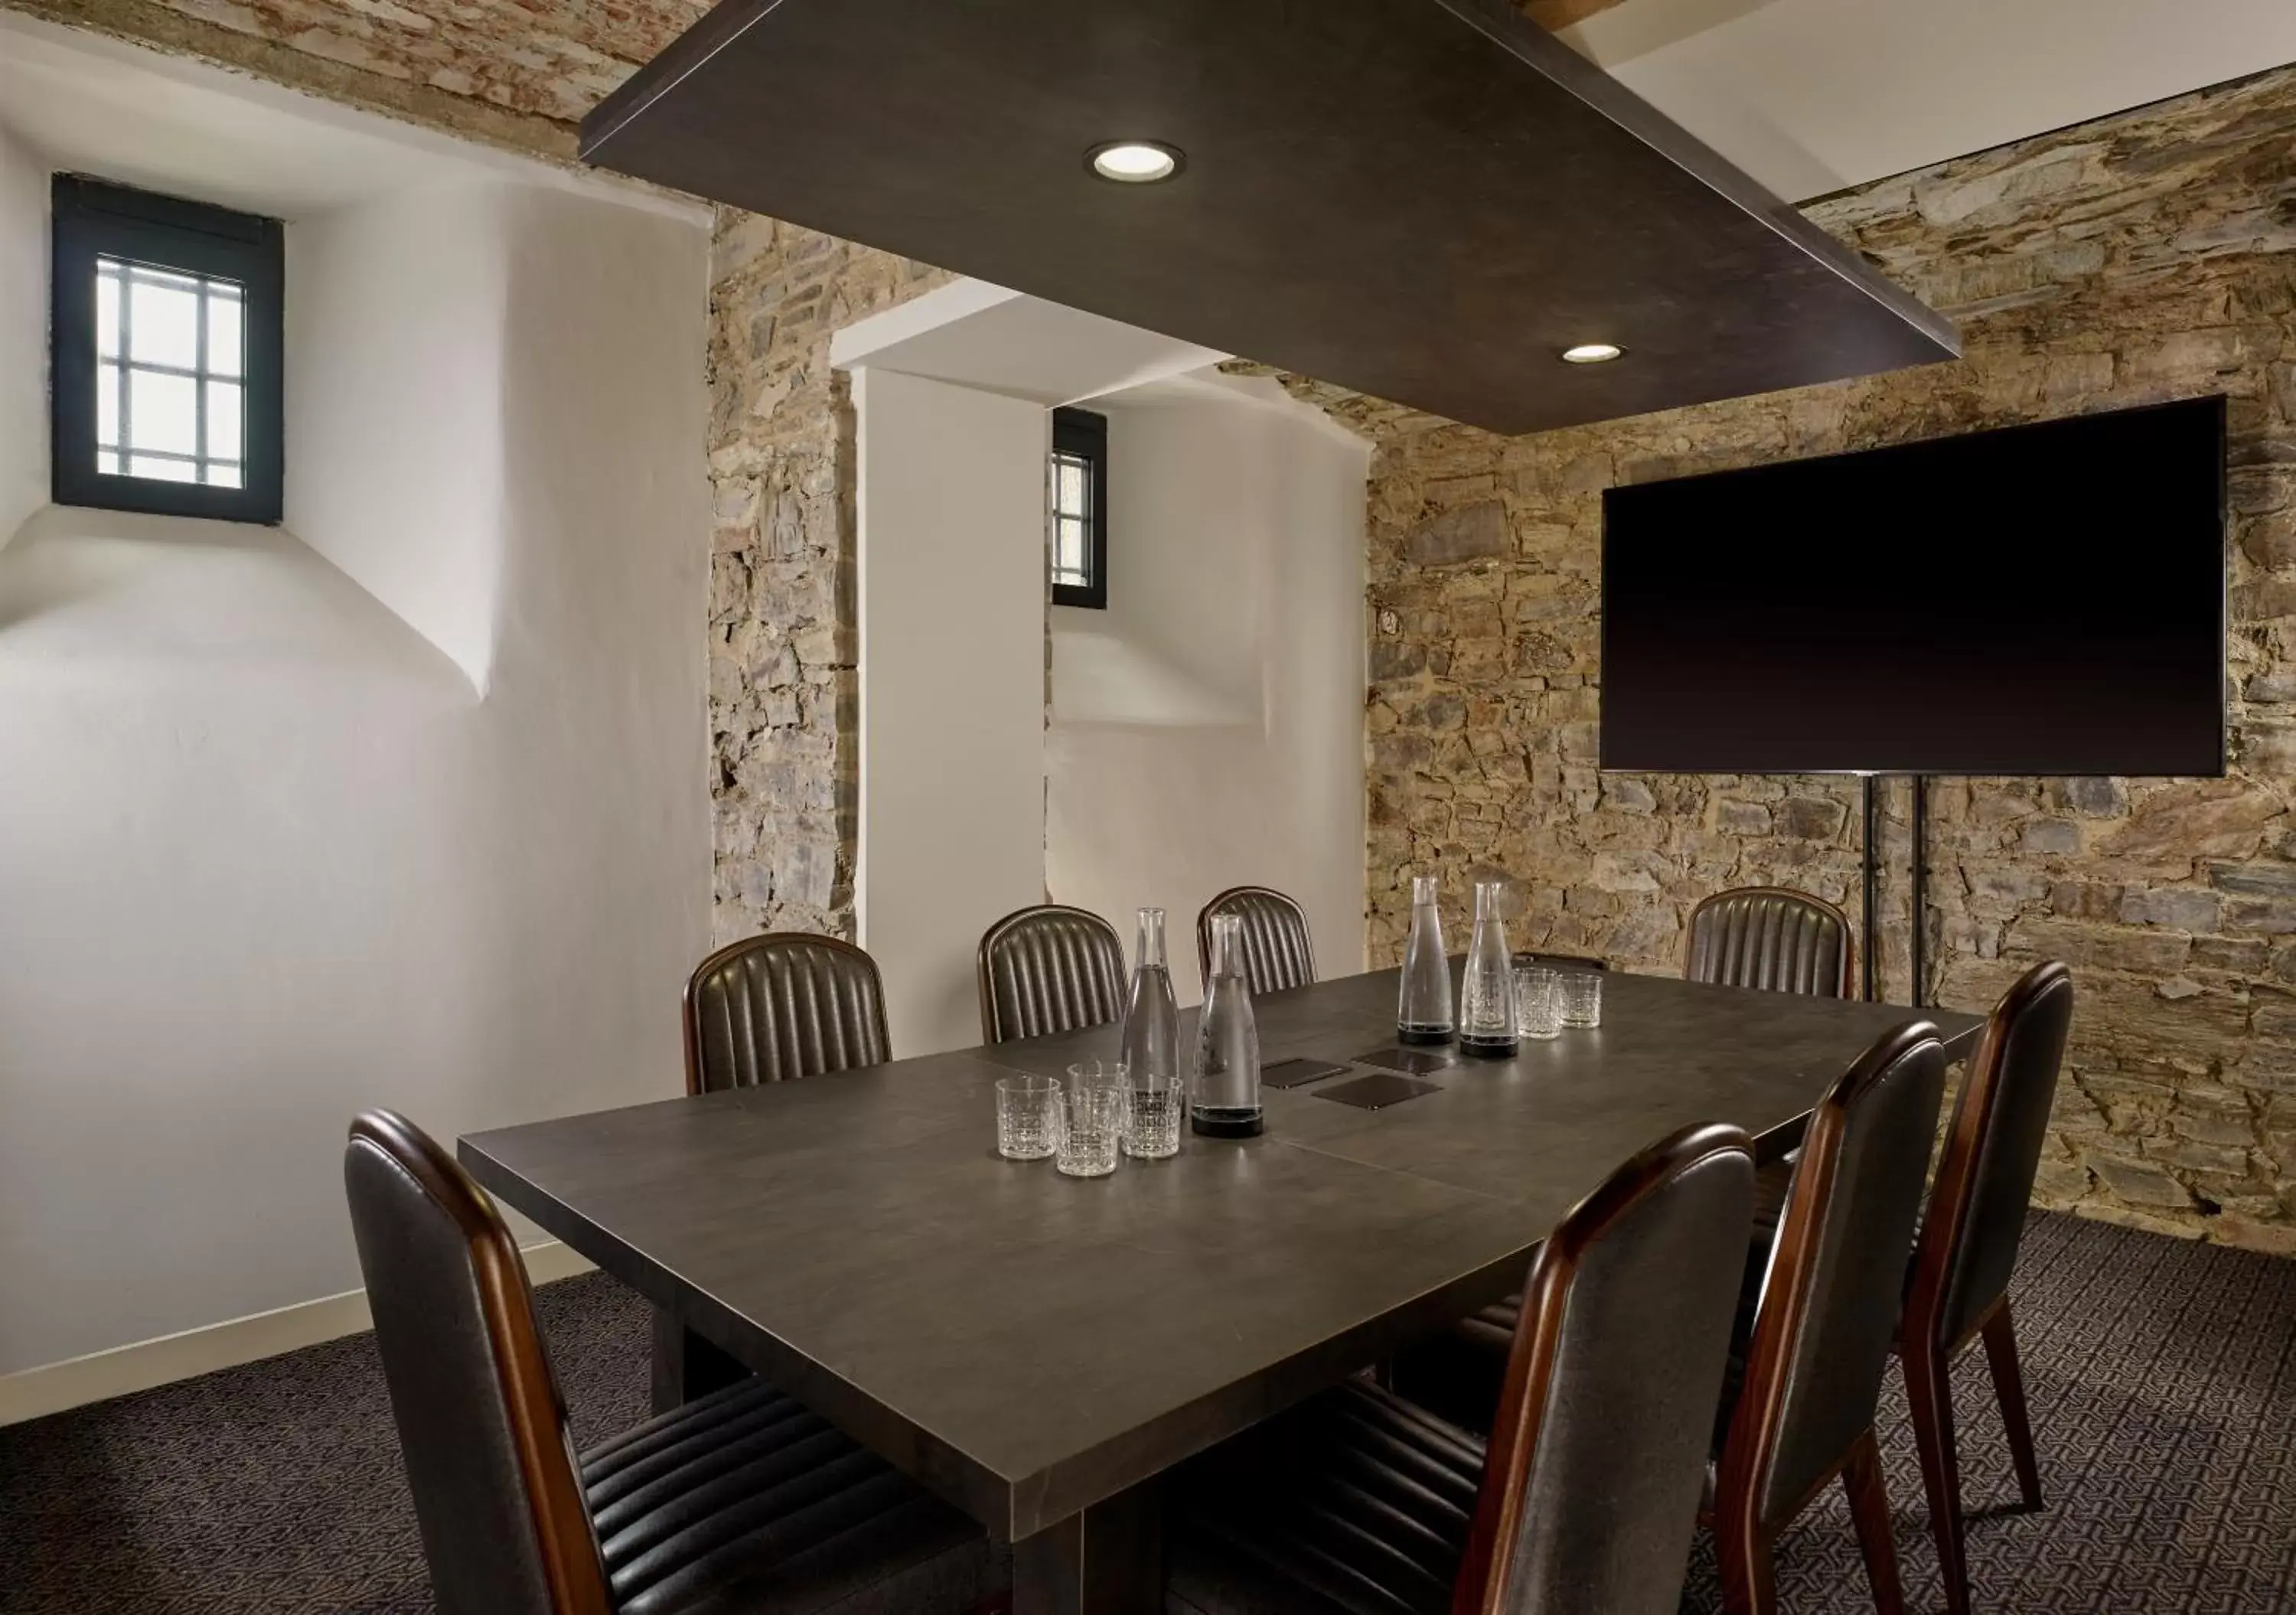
(394, 335)
(951, 504)
(1208, 727)
(23, 333)
(267, 857)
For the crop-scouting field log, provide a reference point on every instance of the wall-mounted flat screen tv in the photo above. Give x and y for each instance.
(2039, 600)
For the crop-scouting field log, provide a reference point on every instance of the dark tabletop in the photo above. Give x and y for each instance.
(1028, 1344)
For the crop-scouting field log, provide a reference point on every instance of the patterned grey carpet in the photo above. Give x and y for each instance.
(2162, 1378)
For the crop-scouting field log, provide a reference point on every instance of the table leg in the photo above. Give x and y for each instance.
(1107, 1561)
(686, 1367)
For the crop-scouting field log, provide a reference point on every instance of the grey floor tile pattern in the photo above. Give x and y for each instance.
(2162, 1378)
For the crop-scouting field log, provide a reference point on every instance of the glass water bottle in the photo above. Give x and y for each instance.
(1422, 1009)
(1223, 1101)
(1152, 1019)
(1487, 990)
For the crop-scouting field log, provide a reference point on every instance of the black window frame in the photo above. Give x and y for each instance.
(93, 218)
(1084, 435)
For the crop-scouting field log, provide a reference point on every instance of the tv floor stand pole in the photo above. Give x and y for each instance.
(1869, 871)
(1918, 944)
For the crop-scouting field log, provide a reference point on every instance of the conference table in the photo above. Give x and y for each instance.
(1038, 1349)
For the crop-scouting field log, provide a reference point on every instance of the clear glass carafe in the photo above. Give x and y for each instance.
(1422, 1009)
(1487, 988)
(1151, 1045)
(1152, 1019)
(1224, 1093)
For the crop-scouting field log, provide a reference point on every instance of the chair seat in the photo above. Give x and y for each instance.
(1357, 1504)
(744, 1501)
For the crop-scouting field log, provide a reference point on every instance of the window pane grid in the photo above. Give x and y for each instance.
(169, 356)
(1071, 519)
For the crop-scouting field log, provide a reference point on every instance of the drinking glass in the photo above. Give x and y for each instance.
(1094, 1105)
(1538, 1002)
(1160, 1101)
(1028, 1116)
(1582, 997)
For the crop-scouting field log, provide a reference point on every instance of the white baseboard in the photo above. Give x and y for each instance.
(33, 1393)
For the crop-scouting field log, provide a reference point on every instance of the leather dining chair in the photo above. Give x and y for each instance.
(1782, 940)
(1809, 1377)
(779, 1006)
(1278, 951)
(1958, 1291)
(741, 1503)
(769, 1008)
(1770, 937)
(1585, 1497)
(1049, 969)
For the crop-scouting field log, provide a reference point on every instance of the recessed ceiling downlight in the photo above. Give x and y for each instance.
(1135, 162)
(1593, 353)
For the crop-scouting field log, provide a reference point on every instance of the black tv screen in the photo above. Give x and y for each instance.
(2040, 599)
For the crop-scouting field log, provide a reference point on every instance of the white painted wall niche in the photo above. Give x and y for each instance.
(1206, 731)
(1207, 728)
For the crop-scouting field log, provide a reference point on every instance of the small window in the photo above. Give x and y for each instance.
(165, 355)
(1079, 498)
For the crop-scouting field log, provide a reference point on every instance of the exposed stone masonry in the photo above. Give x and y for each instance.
(457, 65)
(2143, 257)
(784, 684)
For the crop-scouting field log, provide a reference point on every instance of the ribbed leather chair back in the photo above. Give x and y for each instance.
(504, 1523)
(1770, 937)
(1590, 1494)
(1046, 969)
(1985, 1178)
(780, 1007)
(1277, 952)
(1837, 1276)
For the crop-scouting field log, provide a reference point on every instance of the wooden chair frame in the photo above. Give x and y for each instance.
(1832, 910)
(1482, 1587)
(565, 1539)
(690, 1018)
(1927, 1360)
(1204, 925)
(992, 1027)
(1743, 1543)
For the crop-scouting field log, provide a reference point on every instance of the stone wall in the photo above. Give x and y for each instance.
(782, 611)
(2147, 257)
(784, 664)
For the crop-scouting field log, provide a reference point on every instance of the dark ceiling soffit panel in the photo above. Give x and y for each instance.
(1500, 22)
(1536, 202)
